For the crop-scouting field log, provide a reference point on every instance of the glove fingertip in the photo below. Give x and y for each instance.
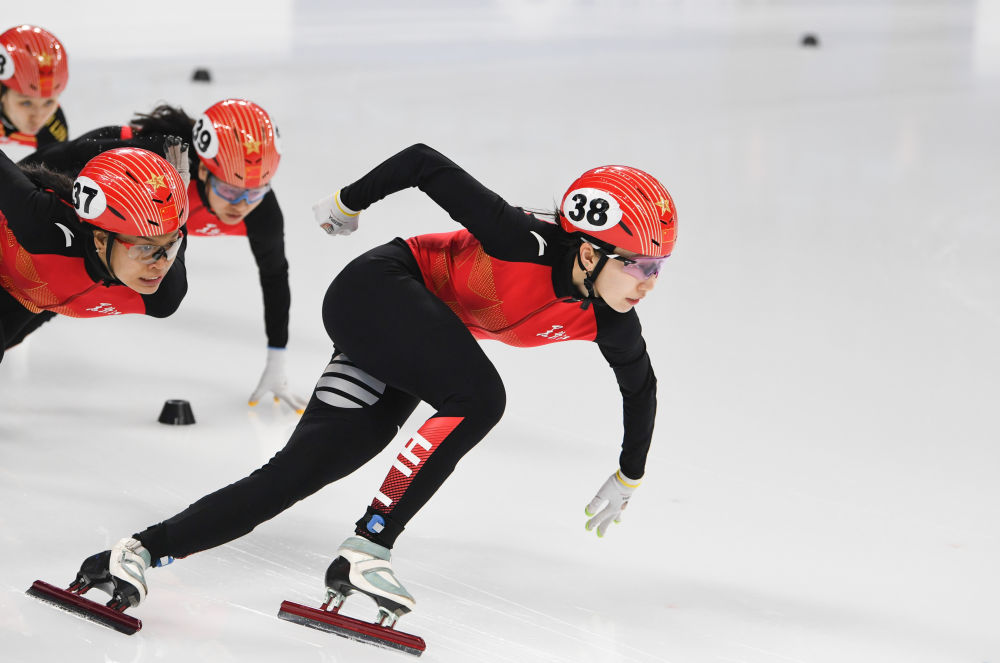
(252, 403)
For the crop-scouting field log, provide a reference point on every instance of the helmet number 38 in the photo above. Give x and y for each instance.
(592, 209)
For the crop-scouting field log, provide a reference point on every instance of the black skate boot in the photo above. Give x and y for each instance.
(119, 572)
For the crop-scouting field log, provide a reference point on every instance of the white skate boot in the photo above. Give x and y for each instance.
(363, 567)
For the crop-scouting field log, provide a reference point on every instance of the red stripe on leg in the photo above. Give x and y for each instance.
(409, 461)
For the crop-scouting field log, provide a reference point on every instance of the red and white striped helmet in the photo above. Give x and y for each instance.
(131, 191)
(33, 62)
(238, 143)
(621, 207)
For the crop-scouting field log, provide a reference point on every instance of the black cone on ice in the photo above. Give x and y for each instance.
(177, 413)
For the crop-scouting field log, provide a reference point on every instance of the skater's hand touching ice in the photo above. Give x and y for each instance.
(274, 381)
(610, 502)
(335, 217)
(176, 152)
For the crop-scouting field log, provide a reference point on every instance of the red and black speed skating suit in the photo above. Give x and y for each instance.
(48, 263)
(264, 227)
(404, 318)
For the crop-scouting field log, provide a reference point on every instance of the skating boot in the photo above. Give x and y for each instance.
(119, 572)
(363, 567)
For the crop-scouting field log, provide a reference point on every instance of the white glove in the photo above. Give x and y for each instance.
(610, 502)
(273, 380)
(335, 217)
(176, 152)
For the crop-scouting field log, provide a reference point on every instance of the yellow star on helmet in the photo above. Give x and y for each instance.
(156, 181)
(45, 60)
(663, 204)
(251, 146)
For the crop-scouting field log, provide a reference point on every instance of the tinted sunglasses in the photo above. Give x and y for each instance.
(638, 267)
(234, 194)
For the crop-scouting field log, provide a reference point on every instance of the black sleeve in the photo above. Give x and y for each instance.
(168, 296)
(70, 157)
(266, 232)
(33, 214)
(506, 232)
(620, 339)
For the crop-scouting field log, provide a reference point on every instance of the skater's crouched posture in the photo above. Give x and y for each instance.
(108, 243)
(404, 319)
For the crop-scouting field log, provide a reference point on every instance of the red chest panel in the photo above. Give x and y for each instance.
(202, 223)
(511, 302)
(59, 283)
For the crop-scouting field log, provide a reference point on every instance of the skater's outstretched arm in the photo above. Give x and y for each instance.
(506, 232)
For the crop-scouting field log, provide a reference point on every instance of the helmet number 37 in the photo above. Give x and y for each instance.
(590, 209)
(88, 199)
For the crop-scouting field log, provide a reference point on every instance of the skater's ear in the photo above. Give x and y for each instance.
(588, 256)
(100, 240)
(202, 171)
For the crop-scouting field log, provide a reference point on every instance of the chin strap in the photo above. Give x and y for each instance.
(591, 278)
(107, 256)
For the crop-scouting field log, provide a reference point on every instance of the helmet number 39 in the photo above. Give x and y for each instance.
(205, 140)
(592, 209)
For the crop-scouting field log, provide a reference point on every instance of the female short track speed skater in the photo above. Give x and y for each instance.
(33, 73)
(108, 243)
(510, 276)
(236, 153)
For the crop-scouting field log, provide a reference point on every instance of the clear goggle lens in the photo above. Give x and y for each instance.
(150, 253)
(234, 194)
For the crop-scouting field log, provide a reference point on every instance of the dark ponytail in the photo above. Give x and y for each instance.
(44, 177)
(164, 119)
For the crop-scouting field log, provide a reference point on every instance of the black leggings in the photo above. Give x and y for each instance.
(16, 322)
(395, 345)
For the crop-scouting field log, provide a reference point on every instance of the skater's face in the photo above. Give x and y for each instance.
(620, 285)
(140, 262)
(28, 114)
(229, 212)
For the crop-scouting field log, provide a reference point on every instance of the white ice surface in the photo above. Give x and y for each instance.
(822, 486)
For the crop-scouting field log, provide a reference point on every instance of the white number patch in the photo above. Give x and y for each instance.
(88, 198)
(592, 209)
(206, 142)
(277, 138)
(6, 64)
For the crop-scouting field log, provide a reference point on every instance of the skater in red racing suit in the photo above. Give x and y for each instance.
(119, 251)
(235, 156)
(404, 319)
(33, 74)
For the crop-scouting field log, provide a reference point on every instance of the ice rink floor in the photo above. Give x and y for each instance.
(822, 486)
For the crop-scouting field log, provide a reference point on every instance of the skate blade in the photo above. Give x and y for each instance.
(89, 610)
(352, 629)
